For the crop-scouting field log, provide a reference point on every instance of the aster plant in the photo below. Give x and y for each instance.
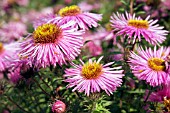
(150, 65)
(136, 28)
(92, 76)
(52, 43)
(83, 19)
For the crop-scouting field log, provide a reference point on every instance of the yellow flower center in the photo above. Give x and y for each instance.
(142, 24)
(70, 11)
(167, 104)
(156, 64)
(108, 27)
(47, 33)
(1, 47)
(91, 70)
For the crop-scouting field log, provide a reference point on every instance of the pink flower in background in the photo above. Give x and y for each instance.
(93, 77)
(162, 95)
(5, 4)
(166, 3)
(88, 7)
(22, 2)
(94, 49)
(1, 75)
(68, 1)
(150, 65)
(12, 31)
(43, 19)
(135, 28)
(95, 41)
(83, 19)
(32, 16)
(7, 51)
(14, 76)
(5, 111)
(20, 70)
(131, 83)
(58, 107)
(52, 43)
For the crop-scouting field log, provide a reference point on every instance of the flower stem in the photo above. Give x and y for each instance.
(131, 6)
(150, 91)
(16, 104)
(93, 106)
(44, 81)
(41, 87)
(146, 99)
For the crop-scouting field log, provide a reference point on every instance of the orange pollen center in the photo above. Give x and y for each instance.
(91, 70)
(142, 24)
(156, 64)
(47, 33)
(1, 47)
(70, 11)
(167, 103)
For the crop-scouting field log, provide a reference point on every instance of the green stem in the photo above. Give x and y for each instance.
(150, 91)
(146, 99)
(131, 6)
(41, 87)
(93, 106)
(16, 104)
(44, 81)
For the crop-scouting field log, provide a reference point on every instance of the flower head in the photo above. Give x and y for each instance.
(93, 76)
(83, 19)
(7, 52)
(58, 107)
(162, 95)
(22, 2)
(52, 42)
(136, 27)
(150, 65)
(12, 31)
(21, 70)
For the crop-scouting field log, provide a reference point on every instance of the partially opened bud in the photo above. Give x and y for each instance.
(58, 107)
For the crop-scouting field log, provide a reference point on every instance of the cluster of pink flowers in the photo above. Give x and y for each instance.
(57, 40)
(156, 9)
(151, 65)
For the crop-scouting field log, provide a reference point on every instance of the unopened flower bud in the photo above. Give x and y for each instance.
(58, 107)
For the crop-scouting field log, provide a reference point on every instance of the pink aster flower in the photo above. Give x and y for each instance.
(162, 95)
(135, 27)
(94, 44)
(12, 31)
(166, 3)
(32, 16)
(6, 52)
(20, 70)
(58, 107)
(94, 48)
(43, 19)
(93, 77)
(85, 6)
(22, 2)
(51, 43)
(150, 65)
(1, 75)
(83, 19)
(14, 76)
